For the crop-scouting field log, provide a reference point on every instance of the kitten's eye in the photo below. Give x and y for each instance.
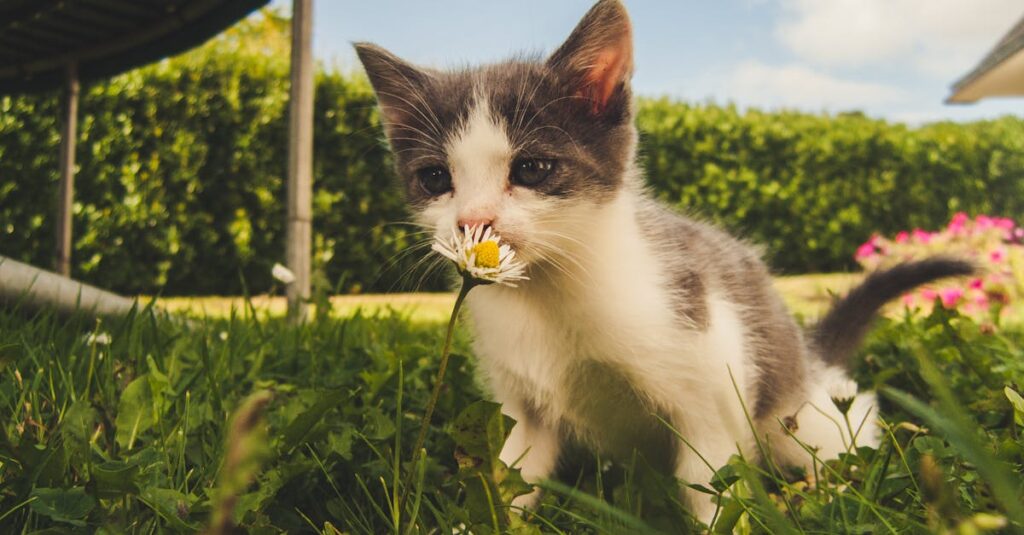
(531, 171)
(434, 180)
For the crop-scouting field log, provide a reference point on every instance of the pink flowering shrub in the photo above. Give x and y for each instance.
(993, 243)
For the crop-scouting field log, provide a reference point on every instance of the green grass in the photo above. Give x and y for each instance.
(137, 436)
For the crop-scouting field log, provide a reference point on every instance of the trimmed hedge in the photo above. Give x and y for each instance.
(812, 188)
(180, 187)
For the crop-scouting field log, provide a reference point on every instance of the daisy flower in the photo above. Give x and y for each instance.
(481, 258)
(282, 274)
(843, 393)
(479, 255)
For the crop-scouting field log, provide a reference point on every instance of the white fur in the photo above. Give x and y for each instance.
(600, 296)
(821, 428)
(479, 161)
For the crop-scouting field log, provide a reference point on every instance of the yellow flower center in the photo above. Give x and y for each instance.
(486, 254)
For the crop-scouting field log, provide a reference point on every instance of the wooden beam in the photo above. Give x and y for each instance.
(65, 200)
(299, 235)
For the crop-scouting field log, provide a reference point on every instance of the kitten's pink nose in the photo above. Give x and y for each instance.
(475, 222)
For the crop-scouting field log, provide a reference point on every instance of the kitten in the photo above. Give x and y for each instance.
(632, 313)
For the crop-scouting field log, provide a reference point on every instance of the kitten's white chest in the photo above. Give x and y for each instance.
(599, 350)
(602, 350)
(566, 358)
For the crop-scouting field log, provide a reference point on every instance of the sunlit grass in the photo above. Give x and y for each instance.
(808, 296)
(417, 307)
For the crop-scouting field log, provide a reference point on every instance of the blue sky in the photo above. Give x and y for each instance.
(889, 58)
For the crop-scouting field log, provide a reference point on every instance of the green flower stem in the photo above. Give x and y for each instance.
(467, 284)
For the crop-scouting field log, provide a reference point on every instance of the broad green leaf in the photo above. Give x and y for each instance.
(724, 478)
(480, 431)
(63, 505)
(297, 431)
(1018, 405)
(114, 479)
(76, 427)
(173, 506)
(134, 412)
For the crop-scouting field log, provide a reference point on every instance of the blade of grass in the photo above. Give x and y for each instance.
(598, 506)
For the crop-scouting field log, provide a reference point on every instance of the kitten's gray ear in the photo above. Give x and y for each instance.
(598, 55)
(393, 79)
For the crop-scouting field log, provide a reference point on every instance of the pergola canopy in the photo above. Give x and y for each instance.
(1000, 74)
(40, 38)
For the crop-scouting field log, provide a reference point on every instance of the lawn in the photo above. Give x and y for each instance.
(125, 426)
(807, 296)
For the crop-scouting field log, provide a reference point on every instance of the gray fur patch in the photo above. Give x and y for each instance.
(725, 265)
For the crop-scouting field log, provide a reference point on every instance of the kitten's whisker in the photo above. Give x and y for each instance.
(426, 121)
(432, 147)
(560, 129)
(520, 107)
(402, 255)
(429, 137)
(438, 262)
(415, 91)
(559, 267)
(424, 157)
(423, 229)
(553, 255)
(409, 272)
(561, 250)
(544, 107)
(529, 102)
(575, 241)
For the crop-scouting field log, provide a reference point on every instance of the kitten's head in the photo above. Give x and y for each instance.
(531, 148)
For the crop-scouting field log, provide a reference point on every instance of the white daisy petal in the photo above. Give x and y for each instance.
(499, 259)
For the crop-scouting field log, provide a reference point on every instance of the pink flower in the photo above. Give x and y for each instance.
(981, 300)
(984, 222)
(902, 236)
(928, 294)
(997, 255)
(950, 297)
(922, 236)
(908, 299)
(976, 284)
(956, 225)
(867, 249)
(1004, 223)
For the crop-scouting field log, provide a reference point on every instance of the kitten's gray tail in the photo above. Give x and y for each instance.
(837, 336)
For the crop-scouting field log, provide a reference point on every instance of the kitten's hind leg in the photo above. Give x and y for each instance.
(533, 446)
(820, 430)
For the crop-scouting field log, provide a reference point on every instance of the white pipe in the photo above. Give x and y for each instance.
(20, 282)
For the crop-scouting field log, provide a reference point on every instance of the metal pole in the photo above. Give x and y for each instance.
(37, 288)
(299, 239)
(65, 202)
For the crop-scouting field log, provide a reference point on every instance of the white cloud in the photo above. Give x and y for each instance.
(752, 83)
(943, 38)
